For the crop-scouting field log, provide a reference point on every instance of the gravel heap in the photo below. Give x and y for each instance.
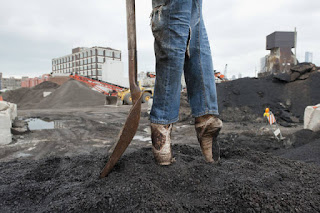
(245, 181)
(245, 99)
(28, 98)
(72, 94)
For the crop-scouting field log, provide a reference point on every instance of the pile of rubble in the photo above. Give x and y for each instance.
(300, 71)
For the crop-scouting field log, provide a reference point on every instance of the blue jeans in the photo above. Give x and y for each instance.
(181, 44)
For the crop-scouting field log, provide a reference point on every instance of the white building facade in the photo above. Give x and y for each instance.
(85, 61)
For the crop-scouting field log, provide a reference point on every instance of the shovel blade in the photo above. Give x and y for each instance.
(125, 137)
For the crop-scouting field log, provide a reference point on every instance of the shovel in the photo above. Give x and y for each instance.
(130, 127)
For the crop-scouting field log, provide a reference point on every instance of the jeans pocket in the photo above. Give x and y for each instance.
(157, 20)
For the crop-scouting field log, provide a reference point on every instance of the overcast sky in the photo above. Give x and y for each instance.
(33, 32)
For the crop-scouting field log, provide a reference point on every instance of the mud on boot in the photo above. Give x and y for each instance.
(161, 143)
(208, 128)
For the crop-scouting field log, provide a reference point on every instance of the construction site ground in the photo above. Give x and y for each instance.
(57, 170)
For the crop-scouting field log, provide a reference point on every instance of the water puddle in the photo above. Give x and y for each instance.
(39, 124)
(141, 138)
(22, 155)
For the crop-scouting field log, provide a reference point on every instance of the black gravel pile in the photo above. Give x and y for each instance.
(245, 99)
(245, 181)
(305, 147)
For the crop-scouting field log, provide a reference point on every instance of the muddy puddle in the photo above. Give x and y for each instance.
(41, 124)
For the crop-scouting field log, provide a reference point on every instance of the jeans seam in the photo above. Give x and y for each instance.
(200, 64)
(168, 72)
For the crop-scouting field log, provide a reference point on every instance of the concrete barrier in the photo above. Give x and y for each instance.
(312, 118)
(5, 136)
(5, 119)
(8, 112)
(4, 105)
(13, 111)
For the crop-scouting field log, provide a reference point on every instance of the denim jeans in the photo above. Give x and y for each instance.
(181, 44)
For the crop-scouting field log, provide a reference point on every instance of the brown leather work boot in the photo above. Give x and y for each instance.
(208, 128)
(161, 143)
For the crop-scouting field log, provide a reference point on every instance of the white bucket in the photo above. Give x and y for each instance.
(312, 118)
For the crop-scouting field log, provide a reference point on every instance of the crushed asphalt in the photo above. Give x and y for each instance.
(245, 181)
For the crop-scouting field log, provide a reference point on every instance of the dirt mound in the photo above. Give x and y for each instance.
(72, 94)
(14, 96)
(246, 181)
(245, 99)
(305, 147)
(309, 152)
(47, 85)
(28, 98)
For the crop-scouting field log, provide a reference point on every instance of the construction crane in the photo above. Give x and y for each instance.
(219, 77)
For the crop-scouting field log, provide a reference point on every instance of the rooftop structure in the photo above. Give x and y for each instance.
(281, 58)
(280, 39)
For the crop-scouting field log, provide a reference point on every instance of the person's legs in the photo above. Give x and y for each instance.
(170, 23)
(199, 74)
(201, 86)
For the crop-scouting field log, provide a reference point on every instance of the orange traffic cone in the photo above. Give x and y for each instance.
(1, 99)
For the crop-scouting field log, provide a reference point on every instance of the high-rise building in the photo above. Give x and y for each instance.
(85, 61)
(309, 57)
(263, 64)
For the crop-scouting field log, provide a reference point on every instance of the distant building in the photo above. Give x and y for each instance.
(85, 61)
(10, 83)
(31, 82)
(233, 77)
(309, 57)
(239, 75)
(0, 80)
(263, 64)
